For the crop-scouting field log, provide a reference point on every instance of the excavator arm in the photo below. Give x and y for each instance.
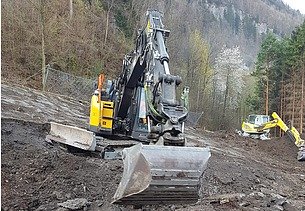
(146, 81)
(292, 133)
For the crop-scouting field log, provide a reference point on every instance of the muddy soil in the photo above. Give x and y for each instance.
(35, 174)
(242, 174)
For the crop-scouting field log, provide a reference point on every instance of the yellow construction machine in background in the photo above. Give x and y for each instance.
(258, 126)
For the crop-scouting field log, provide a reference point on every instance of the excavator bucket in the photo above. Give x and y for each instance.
(155, 174)
(301, 153)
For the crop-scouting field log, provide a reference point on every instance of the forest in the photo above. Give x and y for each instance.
(227, 80)
(280, 77)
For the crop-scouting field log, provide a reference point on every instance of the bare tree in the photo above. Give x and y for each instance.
(229, 77)
(71, 9)
(107, 21)
(43, 56)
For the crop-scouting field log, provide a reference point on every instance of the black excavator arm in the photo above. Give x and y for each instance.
(146, 81)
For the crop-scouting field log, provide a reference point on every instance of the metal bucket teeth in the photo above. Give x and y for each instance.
(161, 175)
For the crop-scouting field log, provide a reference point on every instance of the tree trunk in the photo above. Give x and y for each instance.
(226, 96)
(267, 97)
(198, 95)
(71, 9)
(302, 101)
(293, 98)
(267, 87)
(43, 57)
(282, 99)
(107, 21)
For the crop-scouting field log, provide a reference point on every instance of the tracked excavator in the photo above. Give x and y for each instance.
(258, 126)
(142, 105)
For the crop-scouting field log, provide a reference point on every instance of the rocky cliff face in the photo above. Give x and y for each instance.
(241, 23)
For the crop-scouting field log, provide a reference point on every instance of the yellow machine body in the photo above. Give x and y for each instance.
(101, 115)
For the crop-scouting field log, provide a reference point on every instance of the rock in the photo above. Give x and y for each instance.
(244, 204)
(301, 193)
(41, 208)
(257, 195)
(278, 207)
(58, 195)
(276, 196)
(173, 207)
(20, 109)
(74, 204)
(271, 176)
(267, 190)
(223, 201)
(68, 195)
(33, 203)
(224, 178)
(224, 198)
(278, 199)
(99, 203)
(257, 181)
(62, 209)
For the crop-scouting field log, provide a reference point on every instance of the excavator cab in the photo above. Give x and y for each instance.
(258, 119)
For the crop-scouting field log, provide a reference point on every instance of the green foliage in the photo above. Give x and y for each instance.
(123, 23)
(249, 27)
(199, 72)
(71, 64)
(229, 15)
(276, 61)
(297, 46)
(232, 18)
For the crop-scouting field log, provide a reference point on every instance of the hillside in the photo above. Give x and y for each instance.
(231, 23)
(97, 34)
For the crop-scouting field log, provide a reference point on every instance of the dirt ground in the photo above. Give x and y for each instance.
(242, 174)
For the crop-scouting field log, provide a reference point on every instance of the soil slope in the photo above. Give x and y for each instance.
(242, 174)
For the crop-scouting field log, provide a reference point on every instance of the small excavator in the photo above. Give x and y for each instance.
(258, 126)
(141, 105)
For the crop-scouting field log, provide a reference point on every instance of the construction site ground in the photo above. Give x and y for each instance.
(242, 174)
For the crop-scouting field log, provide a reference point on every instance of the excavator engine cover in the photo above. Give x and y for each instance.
(155, 174)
